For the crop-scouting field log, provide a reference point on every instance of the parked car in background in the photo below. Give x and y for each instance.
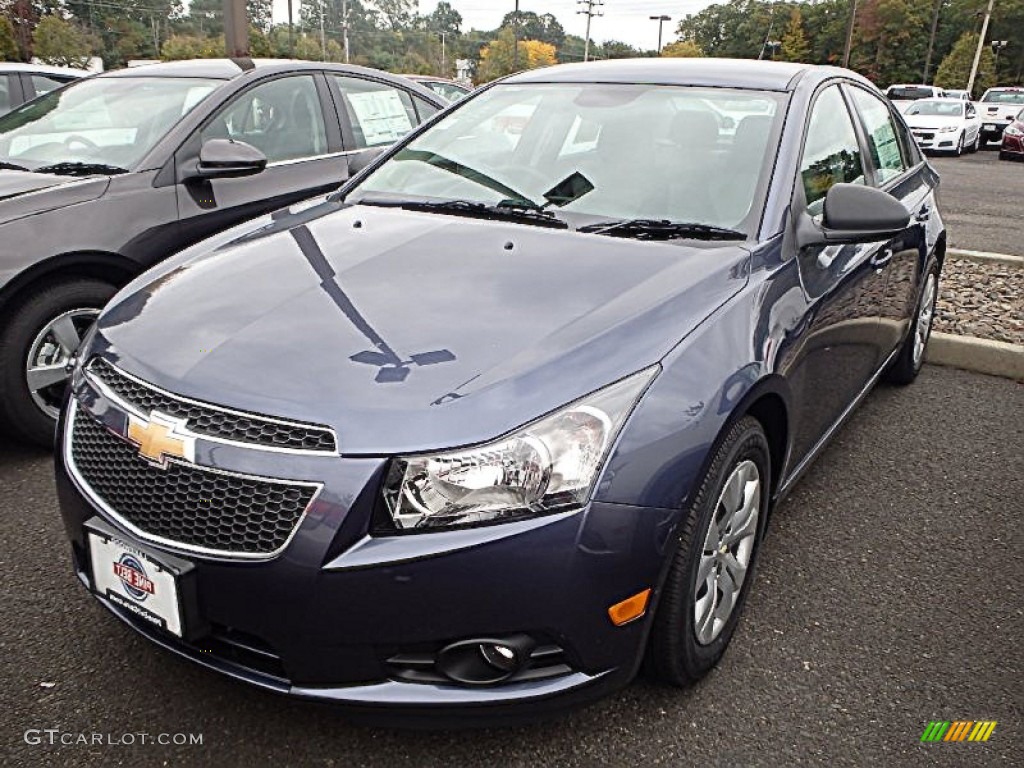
(449, 90)
(1012, 147)
(944, 125)
(23, 82)
(903, 95)
(954, 94)
(506, 416)
(998, 108)
(106, 177)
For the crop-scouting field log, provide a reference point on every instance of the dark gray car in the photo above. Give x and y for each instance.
(102, 179)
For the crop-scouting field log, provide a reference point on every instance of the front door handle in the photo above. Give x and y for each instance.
(924, 214)
(881, 258)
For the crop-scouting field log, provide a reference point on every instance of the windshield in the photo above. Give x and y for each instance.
(104, 121)
(1004, 97)
(908, 93)
(589, 152)
(936, 109)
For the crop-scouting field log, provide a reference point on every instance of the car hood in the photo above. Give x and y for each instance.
(932, 121)
(23, 193)
(407, 331)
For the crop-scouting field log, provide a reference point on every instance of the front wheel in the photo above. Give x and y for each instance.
(908, 362)
(977, 143)
(35, 347)
(713, 565)
(959, 146)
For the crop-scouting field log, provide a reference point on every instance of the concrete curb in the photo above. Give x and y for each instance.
(988, 258)
(996, 358)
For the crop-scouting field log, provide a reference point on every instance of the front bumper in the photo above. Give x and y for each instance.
(323, 618)
(933, 141)
(1012, 145)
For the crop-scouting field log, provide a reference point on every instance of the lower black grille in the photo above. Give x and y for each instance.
(187, 505)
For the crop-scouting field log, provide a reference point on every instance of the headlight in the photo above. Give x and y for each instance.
(1013, 130)
(547, 466)
(949, 128)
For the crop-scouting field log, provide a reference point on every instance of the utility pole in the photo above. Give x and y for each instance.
(661, 20)
(997, 47)
(768, 35)
(849, 34)
(323, 38)
(931, 43)
(444, 69)
(291, 33)
(344, 25)
(236, 28)
(977, 53)
(515, 39)
(588, 10)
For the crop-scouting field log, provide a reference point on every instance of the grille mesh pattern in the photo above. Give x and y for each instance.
(205, 420)
(183, 504)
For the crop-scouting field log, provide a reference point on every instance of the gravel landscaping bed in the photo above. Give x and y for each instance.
(983, 300)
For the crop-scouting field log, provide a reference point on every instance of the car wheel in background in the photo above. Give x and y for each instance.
(713, 564)
(908, 362)
(977, 143)
(35, 347)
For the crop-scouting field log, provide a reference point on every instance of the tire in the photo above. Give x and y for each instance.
(76, 302)
(1003, 155)
(907, 364)
(959, 146)
(675, 653)
(977, 143)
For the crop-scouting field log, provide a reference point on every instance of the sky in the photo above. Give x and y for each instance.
(625, 20)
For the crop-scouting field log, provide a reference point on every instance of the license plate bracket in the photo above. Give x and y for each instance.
(156, 587)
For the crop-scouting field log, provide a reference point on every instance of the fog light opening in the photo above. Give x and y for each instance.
(485, 661)
(501, 657)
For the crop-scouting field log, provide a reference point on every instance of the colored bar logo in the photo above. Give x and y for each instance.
(958, 730)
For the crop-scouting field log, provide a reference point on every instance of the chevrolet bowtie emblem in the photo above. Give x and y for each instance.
(160, 438)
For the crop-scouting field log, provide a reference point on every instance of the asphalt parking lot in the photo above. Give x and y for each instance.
(889, 595)
(981, 201)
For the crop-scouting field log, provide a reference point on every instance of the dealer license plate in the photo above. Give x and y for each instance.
(135, 582)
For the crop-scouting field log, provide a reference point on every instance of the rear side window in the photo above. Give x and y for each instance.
(882, 142)
(46, 83)
(831, 152)
(5, 94)
(380, 113)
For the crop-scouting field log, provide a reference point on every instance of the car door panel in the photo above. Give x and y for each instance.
(302, 161)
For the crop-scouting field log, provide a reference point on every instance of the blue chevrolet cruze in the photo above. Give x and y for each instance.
(505, 416)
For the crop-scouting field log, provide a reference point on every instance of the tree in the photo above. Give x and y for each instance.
(530, 26)
(179, 47)
(497, 60)
(955, 69)
(62, 43)
(445, 19)
(682, 49)
(8, 45)
(794, 42)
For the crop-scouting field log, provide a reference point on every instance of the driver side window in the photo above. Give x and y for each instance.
(281, 118)
(831, 151)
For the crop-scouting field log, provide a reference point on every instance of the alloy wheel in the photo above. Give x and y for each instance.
(46, 372)
(728, 548)
(925, 314)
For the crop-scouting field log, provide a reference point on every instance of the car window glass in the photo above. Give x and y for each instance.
(425, 108)
(45, 84)
(380, 113)
(281, 118)
(882, 142)
(831, 152)
(5, 94)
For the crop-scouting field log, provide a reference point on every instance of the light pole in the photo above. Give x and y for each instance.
(661, 20)
(515, 39)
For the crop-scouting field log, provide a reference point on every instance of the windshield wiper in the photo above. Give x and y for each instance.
(506, 209)
(661, 229)
(81, 169)
(12, 167)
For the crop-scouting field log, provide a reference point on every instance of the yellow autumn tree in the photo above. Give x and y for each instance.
(497, 58)
(682, 49)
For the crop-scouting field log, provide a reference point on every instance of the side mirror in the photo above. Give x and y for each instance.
(227, 158)
(853, 213)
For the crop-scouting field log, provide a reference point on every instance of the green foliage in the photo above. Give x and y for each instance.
(179, 47)
(794, 42)
(955, 69)
(8, 45)
(63, 43)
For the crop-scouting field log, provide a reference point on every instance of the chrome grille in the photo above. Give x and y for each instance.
(192, 507)
(213, 421)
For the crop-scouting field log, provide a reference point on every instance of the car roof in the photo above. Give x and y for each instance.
(228, 69)
(943, 100)
(41, 69)
(710, 72)
(1011, 88)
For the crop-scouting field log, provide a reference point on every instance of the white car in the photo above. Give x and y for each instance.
(944, 125)
(23, 82)
(961, 95)
(902, 96)
(998, 108)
